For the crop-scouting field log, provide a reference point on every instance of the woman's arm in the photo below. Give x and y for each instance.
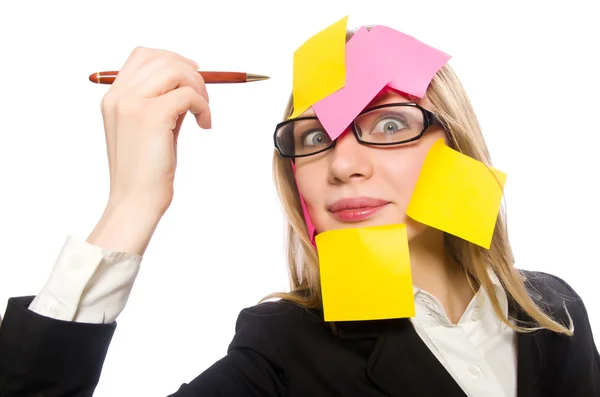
(142, 112)
(91, 281)
(55, 343)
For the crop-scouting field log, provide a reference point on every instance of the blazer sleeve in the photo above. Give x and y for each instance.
(53, 358)
(48, 357)
(582, 361)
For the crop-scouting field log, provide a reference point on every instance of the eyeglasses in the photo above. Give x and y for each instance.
(383, 125)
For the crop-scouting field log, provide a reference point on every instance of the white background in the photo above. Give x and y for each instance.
(530, 68)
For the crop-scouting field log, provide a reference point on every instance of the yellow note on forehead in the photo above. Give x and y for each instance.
(365, 273)
(320, 66)
(457, 194)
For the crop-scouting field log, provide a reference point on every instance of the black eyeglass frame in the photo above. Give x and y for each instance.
(429, 119)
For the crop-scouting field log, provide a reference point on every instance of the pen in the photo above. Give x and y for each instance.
(209, 77)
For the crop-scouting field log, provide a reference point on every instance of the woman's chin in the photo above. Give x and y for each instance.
(415, 229)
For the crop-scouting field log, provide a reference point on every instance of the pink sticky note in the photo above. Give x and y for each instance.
(412, 63)
(366, 74)
(309, 225)
(377, 58)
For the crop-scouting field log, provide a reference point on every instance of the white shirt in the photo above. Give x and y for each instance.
(480, 352)
(91, 284)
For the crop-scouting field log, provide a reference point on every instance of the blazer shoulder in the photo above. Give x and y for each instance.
(548, 286)
(280, 311)
(554, 295)
(577, 354)
(282, 319)
(265, 326)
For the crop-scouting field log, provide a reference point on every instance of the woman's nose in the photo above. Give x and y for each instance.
(349, 160)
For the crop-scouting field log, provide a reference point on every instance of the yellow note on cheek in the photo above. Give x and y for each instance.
(319, 66)
(365, 273)
(457, 194)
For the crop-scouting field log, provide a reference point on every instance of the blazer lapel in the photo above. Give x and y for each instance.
(529, 360)
(401, 364)
(529, 357)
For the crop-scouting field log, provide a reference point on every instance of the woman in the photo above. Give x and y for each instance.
(482, 328)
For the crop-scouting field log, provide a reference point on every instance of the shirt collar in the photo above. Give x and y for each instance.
(481, 295)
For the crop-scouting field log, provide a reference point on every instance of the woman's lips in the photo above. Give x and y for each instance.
(356, 209)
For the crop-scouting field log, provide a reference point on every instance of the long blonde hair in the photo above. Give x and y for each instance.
(447, 99)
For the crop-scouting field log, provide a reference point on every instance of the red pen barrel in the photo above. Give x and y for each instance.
(209, 77)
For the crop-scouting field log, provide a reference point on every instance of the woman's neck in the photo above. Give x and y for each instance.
(435, 271)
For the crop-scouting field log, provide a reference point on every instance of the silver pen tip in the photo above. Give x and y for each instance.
(255, 77)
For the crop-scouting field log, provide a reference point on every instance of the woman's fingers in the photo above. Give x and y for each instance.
(168, 76)
(182, 100)
(134, 69)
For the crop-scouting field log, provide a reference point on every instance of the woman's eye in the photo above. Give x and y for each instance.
(389, 126)
(316, 138)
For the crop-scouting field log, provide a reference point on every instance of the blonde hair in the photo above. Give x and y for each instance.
(447, 99)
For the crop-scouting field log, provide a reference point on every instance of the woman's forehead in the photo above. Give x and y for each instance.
(386, 95)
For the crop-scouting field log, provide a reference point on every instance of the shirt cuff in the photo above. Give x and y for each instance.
(88, 284)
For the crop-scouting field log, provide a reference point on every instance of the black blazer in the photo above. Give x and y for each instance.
(281, 349)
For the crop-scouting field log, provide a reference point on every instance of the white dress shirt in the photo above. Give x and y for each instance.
(91, 284)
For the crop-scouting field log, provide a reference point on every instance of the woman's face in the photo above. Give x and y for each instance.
(354, 185)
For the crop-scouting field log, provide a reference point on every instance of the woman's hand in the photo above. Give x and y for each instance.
(143, 111)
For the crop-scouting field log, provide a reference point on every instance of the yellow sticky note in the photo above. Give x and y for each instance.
(320, 66)
(365, 273)
(457, 194)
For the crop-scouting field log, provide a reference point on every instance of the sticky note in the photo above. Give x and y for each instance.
(366, 74)
(309, 225)
(375, 59)
(457, 194)
(319, 66)
(365, 273)
(412, 63)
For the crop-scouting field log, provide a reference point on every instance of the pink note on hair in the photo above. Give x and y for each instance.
(377, 58)
(309, 225)
(412, 63)
(366, 74)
